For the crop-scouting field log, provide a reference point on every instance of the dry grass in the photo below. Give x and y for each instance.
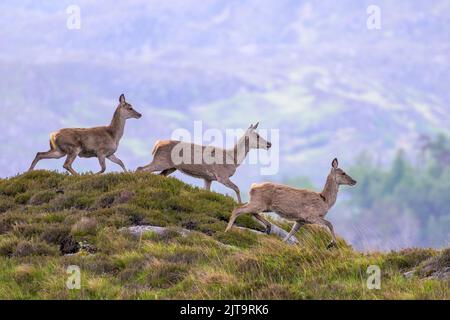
(39, 226)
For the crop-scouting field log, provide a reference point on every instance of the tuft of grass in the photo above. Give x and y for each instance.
(34, 248)
(50, 221)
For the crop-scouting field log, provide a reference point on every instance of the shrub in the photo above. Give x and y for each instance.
(33, 248)
(24, 273)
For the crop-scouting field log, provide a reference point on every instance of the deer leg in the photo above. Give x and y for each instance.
(228, 183)
(68, 163)
(166, 172)
(116, 160)
(328, 224)
(51, 154)
(267, 224)
(294, 229)
(102, 162)
(154, 166)
(247, 208)
(208, 185)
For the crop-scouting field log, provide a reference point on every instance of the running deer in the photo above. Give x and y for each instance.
(301, 206)
(100, 142)
(219, 164)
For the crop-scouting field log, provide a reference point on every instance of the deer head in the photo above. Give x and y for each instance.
(126, 110)
(340, 176)
(254, 140)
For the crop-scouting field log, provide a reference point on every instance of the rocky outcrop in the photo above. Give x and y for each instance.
(433, 268)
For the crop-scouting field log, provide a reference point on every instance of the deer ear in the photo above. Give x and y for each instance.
(251, 126)
(335, 163)
(256, 125)
(122, 98)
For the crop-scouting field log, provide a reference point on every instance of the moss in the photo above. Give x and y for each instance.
(165, 236)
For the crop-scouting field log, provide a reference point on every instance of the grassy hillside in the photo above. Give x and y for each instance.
(49, 221)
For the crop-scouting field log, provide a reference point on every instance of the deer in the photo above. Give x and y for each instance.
(101, 142)
(219, 169)
(298, 205)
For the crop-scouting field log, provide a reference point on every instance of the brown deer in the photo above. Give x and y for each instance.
(100, 142)
(219, 164)
(301, 206)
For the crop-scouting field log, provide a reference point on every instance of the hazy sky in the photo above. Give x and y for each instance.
(311, 69)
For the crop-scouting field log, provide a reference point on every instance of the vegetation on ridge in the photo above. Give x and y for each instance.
(49, 221)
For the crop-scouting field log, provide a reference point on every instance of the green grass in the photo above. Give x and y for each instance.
(49, 221)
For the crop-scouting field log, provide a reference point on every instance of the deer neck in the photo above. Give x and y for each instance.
(117, 126)
(240, 151)
(330, 191)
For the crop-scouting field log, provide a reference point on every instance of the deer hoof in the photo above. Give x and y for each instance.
(268, 229)
(332, 244)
